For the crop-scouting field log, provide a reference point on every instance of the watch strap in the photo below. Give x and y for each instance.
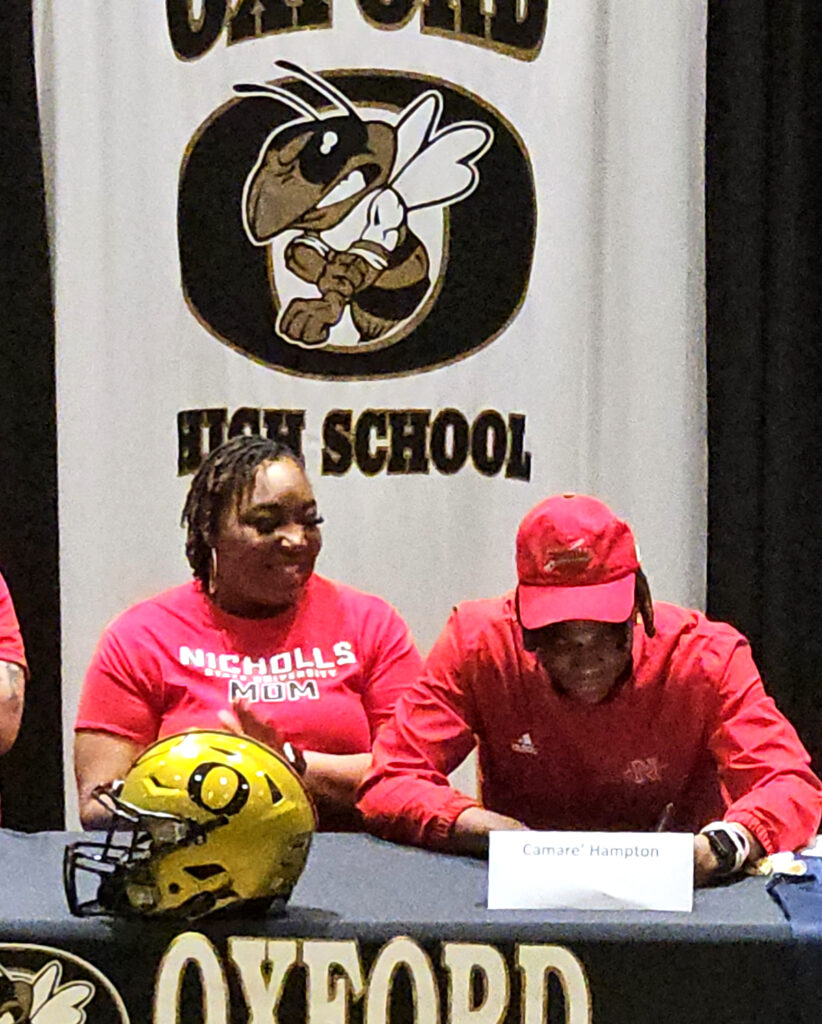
(729, 843)
(295, 757)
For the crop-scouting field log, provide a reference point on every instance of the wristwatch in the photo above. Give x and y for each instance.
(729, 844)
(724, 849)
(295, 757)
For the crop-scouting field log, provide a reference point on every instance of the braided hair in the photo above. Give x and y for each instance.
(224, 476)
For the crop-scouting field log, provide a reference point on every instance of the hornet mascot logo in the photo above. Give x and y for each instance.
(353, 204)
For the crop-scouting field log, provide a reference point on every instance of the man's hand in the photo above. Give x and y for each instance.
(706, 865)
(470, 831)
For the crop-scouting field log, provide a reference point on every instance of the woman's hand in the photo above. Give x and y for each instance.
(242, 721)
(331, 779)
(99, 759)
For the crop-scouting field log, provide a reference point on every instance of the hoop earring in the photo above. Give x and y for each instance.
(212, 572)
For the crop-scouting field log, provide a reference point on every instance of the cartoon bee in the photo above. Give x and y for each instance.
(40, 999)
(347, 189)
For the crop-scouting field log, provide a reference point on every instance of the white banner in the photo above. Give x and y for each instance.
(506, 194)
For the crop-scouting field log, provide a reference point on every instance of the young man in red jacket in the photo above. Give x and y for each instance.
(594, 709)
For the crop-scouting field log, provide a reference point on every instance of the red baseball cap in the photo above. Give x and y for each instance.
(575, 560)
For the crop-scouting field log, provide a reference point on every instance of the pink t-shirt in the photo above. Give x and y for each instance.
(325, 674)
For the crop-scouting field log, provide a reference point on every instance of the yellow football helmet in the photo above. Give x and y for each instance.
(212, 820)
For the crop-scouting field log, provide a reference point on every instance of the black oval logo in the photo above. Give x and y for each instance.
(218, 788)
(355, 225)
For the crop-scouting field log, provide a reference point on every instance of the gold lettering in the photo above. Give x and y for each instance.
(463, 961)
(401, 952)
(334, 976)
(535, 962)
(190, 948)
(262, 965)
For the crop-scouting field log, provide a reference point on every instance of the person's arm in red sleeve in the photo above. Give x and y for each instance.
(13, 671)
(406, 795)
(117, 719)
(393, 664)
(764, 769)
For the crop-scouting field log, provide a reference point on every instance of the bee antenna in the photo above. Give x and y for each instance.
(322, 87)
(278, 93)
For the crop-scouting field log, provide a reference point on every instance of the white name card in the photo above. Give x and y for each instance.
(591, 870)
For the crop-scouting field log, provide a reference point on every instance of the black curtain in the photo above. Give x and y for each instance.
(764, 263)
(31, 775)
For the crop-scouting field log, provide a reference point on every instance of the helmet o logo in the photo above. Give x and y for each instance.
(218, 788)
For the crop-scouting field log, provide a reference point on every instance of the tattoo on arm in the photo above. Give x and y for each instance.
(12, 681)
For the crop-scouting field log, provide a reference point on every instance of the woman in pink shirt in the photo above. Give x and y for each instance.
(256, 642)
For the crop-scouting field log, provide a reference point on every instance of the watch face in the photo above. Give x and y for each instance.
(724, 849)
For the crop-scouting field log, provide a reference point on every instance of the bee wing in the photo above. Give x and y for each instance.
(66, 1005)
(444, 172)
(418, 123)
(44, 983)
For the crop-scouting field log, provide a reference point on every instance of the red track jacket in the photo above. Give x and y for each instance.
(692, 726)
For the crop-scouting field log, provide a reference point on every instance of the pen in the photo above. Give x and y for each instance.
(665, 818)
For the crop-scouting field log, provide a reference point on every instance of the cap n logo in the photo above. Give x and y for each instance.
(574, 559)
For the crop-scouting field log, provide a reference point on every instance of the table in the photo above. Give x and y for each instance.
(412, 940)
